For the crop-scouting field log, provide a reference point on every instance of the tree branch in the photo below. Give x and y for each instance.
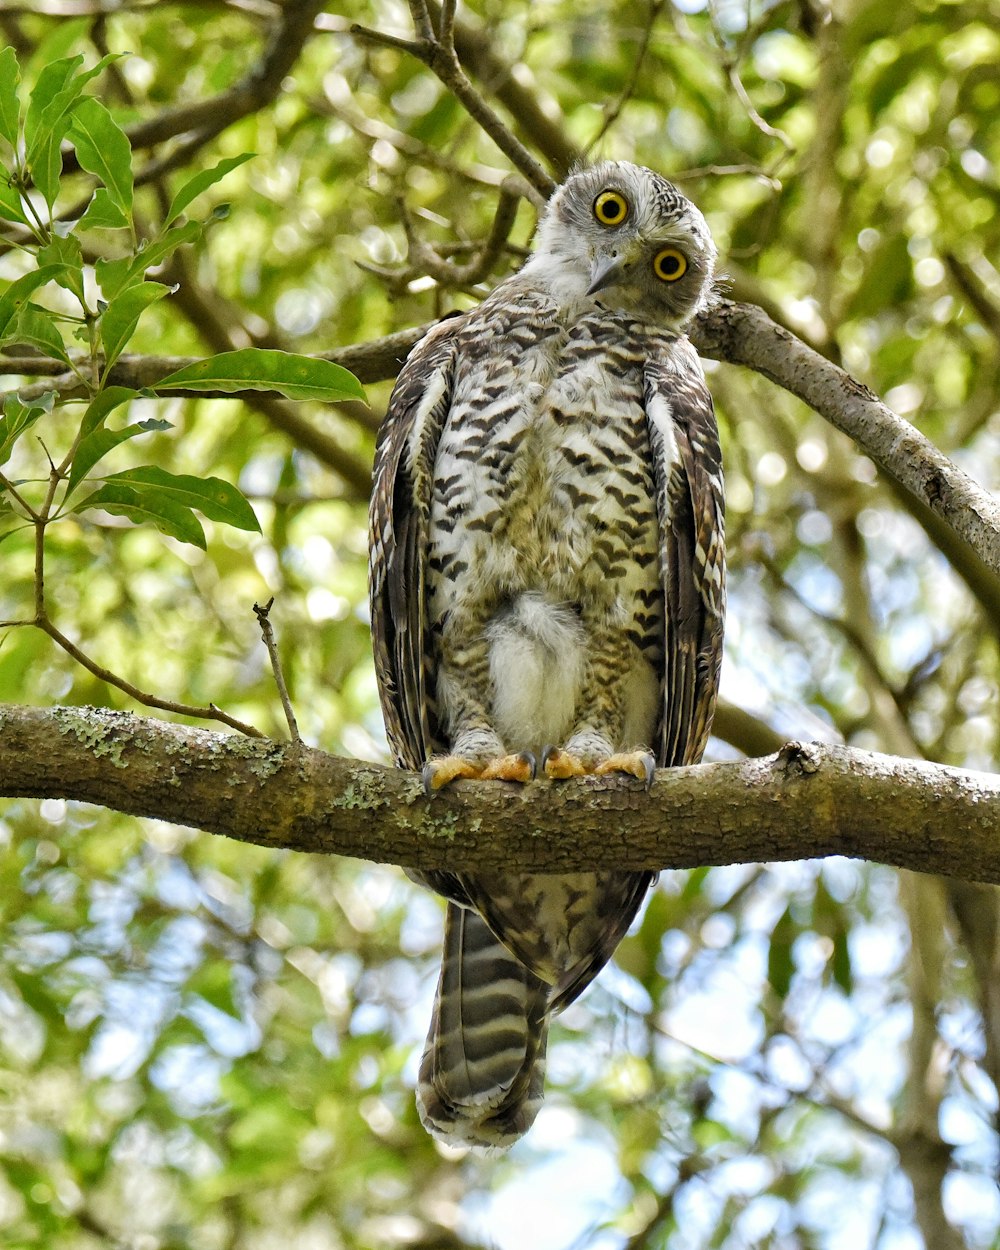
(743, 334)
(204, 119)
(802, 801)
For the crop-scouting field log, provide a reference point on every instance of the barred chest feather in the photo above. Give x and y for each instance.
(543, 524)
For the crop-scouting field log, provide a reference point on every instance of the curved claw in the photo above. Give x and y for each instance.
(520, 768)
(558, 765)
(640, 764)
(442, 769)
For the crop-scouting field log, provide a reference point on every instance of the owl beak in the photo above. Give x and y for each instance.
(606, 271)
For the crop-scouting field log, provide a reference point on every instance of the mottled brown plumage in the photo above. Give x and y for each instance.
(547, 583)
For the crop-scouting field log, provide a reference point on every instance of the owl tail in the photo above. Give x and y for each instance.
(483, 1067)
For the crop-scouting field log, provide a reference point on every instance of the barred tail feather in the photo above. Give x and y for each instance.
(483, 1067)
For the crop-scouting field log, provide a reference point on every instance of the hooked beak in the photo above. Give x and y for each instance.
(606, 271)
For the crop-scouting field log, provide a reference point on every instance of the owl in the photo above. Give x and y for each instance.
(547, 596)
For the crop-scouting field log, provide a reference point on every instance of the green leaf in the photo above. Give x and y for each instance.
(157, 250)
(120, 318)
(10, 76)
(262, 369)
(51, 80)
(50, 116)
(103, 405)
(112, 276)
(201, 182)
(96, 446)
(780, 963)
(65, 252)
(18, 292)
(144, 505)
(47, 121)
(103, 213)
(116, 275)
(216, 499)
(17, 417)
(10, 201)
(103, 149)
(38, 327)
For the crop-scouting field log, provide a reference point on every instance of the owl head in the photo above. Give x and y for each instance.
(625, 236)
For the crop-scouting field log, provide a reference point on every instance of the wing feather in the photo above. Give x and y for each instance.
(687, 471)
(399, 519)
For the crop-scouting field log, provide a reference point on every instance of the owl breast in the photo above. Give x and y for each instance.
(543, 520)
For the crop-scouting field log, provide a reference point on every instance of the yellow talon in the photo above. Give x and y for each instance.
(560, 765)
(444, 769)
(519, 768)
(639, 764)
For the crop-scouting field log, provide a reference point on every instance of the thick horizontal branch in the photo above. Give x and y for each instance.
(804, 801)
(375, 361)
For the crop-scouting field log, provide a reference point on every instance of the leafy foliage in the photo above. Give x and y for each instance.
(207, 1045)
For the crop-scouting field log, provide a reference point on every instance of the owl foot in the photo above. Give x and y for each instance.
(558, 765)
(639, 764)
(444, 769)
(520, 768)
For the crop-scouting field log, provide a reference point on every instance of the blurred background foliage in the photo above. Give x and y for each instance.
(206, 1045)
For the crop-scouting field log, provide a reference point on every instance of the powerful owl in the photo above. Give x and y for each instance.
(547, 594)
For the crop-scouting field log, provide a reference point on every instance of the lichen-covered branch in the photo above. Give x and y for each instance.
(805, 800)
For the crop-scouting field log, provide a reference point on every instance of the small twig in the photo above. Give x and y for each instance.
(447, 35)
(212, 712)
(428, 261)
(442, 59)
(614, 111)
(422, 20)
(765, 127)
(8, 487)
(267, 633)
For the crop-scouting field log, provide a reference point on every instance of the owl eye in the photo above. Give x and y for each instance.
(669, 264)
(611, 208)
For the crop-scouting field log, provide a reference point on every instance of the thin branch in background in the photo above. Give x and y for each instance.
(211, 712)
(848, 630)
(442, 59)
(372, 128)
(43, 621)
(614, 111)
(426, 261)
(975, 288)
(267, 633)
(261, 85)
(772, 132)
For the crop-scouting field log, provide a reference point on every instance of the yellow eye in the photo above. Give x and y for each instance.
(669, 264)
(611, 208)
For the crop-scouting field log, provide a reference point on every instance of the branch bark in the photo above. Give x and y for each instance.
(803, 801)
(743, 334)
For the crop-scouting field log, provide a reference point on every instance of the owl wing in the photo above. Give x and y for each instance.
(399, 518)
(687, 471)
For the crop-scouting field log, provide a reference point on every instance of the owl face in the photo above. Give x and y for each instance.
(626, 237)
